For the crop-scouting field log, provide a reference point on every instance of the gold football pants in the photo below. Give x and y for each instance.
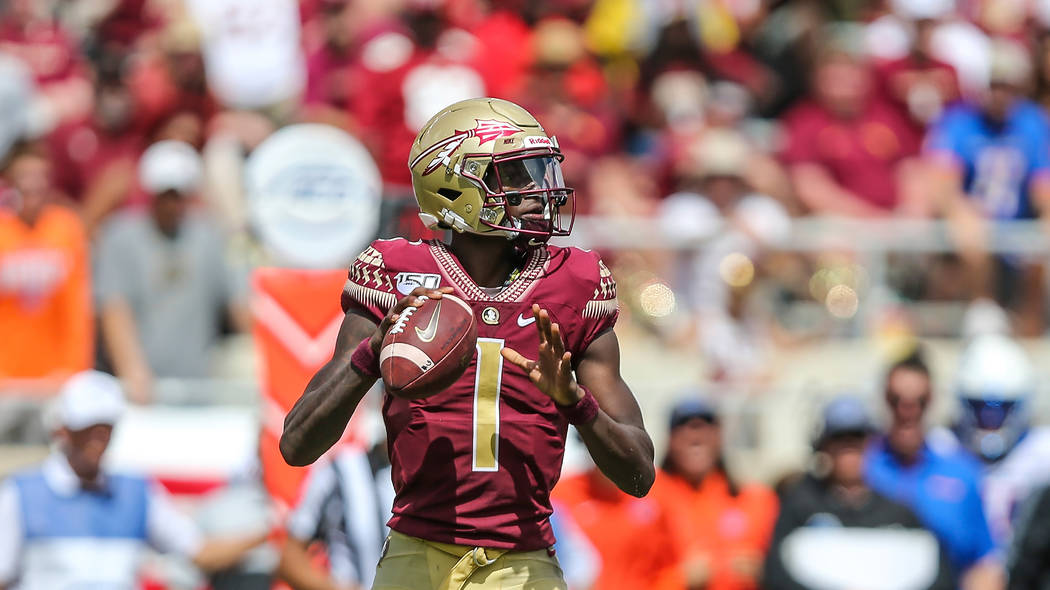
(409, 563)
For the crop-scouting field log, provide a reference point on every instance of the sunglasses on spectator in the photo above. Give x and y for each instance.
(895, 400)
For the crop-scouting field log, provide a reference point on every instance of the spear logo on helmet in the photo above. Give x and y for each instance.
(485, 130)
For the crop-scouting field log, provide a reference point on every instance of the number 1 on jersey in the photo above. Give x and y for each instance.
(487, 383)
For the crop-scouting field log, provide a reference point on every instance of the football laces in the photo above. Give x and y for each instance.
(402, 320)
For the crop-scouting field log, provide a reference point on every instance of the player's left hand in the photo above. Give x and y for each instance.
(552, 371)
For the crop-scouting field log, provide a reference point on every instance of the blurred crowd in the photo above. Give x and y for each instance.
(126, 125)
(893, 503)
(125, 245)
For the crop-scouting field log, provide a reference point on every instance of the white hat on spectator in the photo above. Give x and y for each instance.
(984, 317)
(764, 219)
(968, 49)
(170, 165)
(681, 96)
(720, 152)
(688, 217)
(1010, 63)
(89, 398)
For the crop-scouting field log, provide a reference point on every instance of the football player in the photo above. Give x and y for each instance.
(996, 387)
(473, 466)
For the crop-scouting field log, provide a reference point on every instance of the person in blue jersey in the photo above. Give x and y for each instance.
(70, 523)
(940, 485)
(990, 161)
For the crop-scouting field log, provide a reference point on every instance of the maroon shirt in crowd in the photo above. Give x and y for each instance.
(447, 491)
(860, 153)
(44, 47)
(902, 79)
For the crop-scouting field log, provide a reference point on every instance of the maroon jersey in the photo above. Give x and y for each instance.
(475, 464)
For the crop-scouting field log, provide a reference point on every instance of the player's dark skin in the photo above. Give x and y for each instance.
(616, 439)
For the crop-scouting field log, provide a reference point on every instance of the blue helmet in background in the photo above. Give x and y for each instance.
(995, 383)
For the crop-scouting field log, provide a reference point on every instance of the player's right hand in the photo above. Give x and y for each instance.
(414, 299)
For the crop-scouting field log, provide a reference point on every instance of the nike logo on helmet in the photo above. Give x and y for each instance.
(431, 330)
(523, 321)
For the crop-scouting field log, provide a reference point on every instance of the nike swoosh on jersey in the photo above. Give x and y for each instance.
(431, 330)
(523, 321)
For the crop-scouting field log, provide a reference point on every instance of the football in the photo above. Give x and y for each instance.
(428, 348)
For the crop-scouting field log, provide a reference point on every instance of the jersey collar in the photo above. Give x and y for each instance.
(534, 264)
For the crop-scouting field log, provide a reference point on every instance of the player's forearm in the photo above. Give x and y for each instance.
(623, 452)
(318, 419)
(616, 439)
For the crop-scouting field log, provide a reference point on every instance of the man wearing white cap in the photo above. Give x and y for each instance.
(69, 523)
(162, 281)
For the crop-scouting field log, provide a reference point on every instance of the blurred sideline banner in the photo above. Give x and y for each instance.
(314, 195)
(188, 450)
(296, 316)
(831, 558)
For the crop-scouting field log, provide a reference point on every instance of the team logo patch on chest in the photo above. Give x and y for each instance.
(490, 315)
(406, 281)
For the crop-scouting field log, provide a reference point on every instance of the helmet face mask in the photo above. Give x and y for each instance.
(991, 427)
(482, 166)
(512, 179)
(995, 382)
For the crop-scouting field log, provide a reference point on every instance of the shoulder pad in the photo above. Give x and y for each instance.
(591, 271)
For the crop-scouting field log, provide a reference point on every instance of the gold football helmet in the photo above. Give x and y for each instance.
(476, 157)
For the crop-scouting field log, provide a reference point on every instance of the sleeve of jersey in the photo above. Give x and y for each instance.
(369, 288)
(602, 308)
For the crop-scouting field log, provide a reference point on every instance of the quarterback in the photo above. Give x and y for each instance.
(474, 465)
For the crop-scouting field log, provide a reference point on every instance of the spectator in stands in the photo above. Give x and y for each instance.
(169, 85)
(918, 84)
(69, 523)
(95, 156)
(45, 306)
(344, 505)
(605, 514)
(996, 386)
(568, 93)
(940, 485)
(163, 282)
(735, 334)
(990, 161)
(721, 530)
(1030, 554)
(329, 85)
(124, 23)
(848, 152)
(380, 112)
(834, 529)
(251, 50)
(28, 31)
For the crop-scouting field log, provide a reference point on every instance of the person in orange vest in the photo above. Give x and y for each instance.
(45, 303)
(631, 535)
(721, 529)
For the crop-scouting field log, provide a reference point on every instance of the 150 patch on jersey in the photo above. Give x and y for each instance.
(406, 281)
